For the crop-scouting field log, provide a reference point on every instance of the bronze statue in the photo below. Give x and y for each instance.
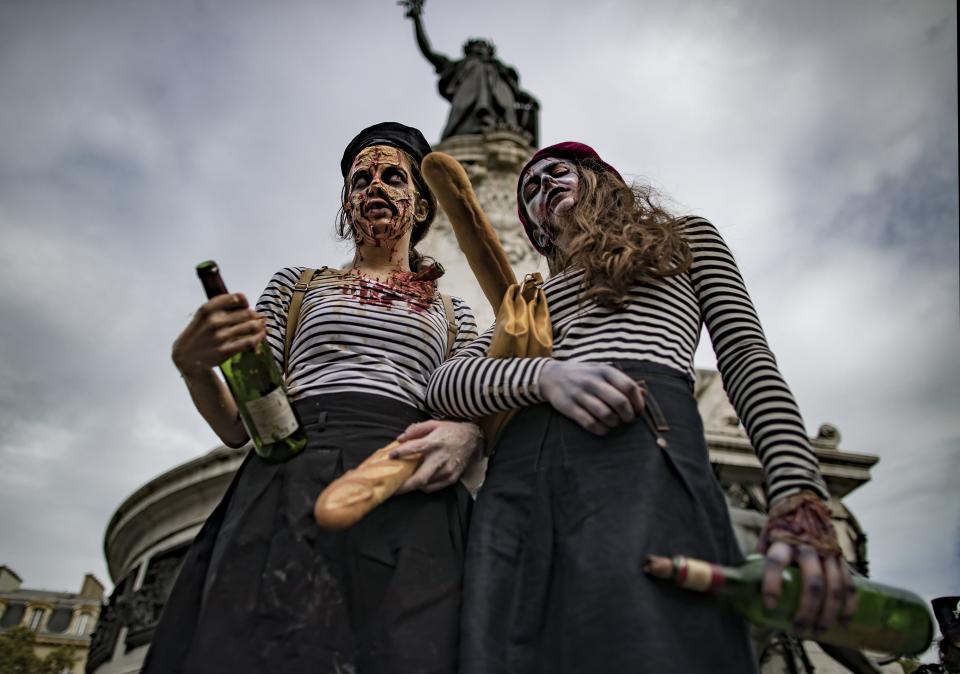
(484, 93)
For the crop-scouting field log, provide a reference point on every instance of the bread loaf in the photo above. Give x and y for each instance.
(358, 491)
(475, 235)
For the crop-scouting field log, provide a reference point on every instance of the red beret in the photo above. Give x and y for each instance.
(565, 150)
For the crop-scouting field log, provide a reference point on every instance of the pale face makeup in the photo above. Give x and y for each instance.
(550, 187)
(382, 198)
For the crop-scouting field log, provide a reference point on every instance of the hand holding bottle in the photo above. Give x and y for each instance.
(887, 620)
(253, 403)
(799, 531)
(221, 327)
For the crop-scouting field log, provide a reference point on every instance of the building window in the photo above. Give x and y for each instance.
(36, 617)
(83, 621)
(12, 615)
(59, 620)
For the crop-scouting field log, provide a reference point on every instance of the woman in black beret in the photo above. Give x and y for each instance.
(263, 589)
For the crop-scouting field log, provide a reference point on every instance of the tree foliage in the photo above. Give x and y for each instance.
(17, 655)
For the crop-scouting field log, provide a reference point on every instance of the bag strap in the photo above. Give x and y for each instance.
(451, 323)
(293, 312)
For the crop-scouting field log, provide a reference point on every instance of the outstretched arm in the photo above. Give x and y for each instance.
(414, 11)
(799, 529)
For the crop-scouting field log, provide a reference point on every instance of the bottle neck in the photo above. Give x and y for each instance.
(698, 575)
(209, 274)
(701, 576)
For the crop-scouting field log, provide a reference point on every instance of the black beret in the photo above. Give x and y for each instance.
(401, 136)
(947, 612)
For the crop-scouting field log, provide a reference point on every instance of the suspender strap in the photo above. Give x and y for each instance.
(451, 323)
(293, 313)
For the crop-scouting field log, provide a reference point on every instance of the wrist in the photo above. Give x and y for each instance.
(479, 439)
(548, 366)
(801, 519)
(193, 372)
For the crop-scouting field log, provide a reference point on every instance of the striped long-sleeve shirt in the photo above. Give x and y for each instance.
(661, 323)
(358, 334)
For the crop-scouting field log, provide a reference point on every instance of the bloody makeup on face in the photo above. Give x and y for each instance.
(551, 186)
(381, 195)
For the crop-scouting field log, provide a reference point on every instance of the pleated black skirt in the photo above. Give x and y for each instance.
(264, 590)
(553, 580)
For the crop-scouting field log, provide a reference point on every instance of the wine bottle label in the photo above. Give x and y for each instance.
(272, 416)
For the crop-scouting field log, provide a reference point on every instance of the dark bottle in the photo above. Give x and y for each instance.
(257, 387)
(888, 619)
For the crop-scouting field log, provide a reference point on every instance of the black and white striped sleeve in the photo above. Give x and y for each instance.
(466, 325)
(274, 304)
(753, 382)
(471, 385)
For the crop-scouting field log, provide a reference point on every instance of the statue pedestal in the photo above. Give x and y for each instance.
(493, 161)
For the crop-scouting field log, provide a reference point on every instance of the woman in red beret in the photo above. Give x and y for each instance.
(606, 462)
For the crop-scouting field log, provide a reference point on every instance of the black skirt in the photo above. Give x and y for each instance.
(263, 589)
(553, 580)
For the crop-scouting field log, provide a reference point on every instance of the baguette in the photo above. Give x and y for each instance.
(355, 493)
(475, 235)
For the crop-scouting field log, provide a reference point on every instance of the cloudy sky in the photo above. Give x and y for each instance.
(138, 138)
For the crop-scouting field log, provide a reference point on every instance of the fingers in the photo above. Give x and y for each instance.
(436, 472)
(227, 341)
(570, 408)
(851, 602)
(224, 311)
(445, 446)
(638, 400)
(628, 387)
(777, 558)
(227, 302)
(241, 330)
(833, 593)
(811, 588)
(420, 476)
(225, 321)
(410, 448)
(227, 325)
(461, 439)
(221, 327)
(598, 409)
(235, 346)
(418, 430)
(616, 405)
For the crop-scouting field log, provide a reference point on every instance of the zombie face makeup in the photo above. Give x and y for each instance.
(381, 198)
(550, 187)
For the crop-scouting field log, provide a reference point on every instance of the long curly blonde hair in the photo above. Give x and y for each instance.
(620, 235)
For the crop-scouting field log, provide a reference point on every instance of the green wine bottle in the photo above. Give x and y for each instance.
(888, 619)
(257, 386)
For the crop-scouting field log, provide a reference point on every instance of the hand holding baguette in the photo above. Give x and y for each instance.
(355, 493)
